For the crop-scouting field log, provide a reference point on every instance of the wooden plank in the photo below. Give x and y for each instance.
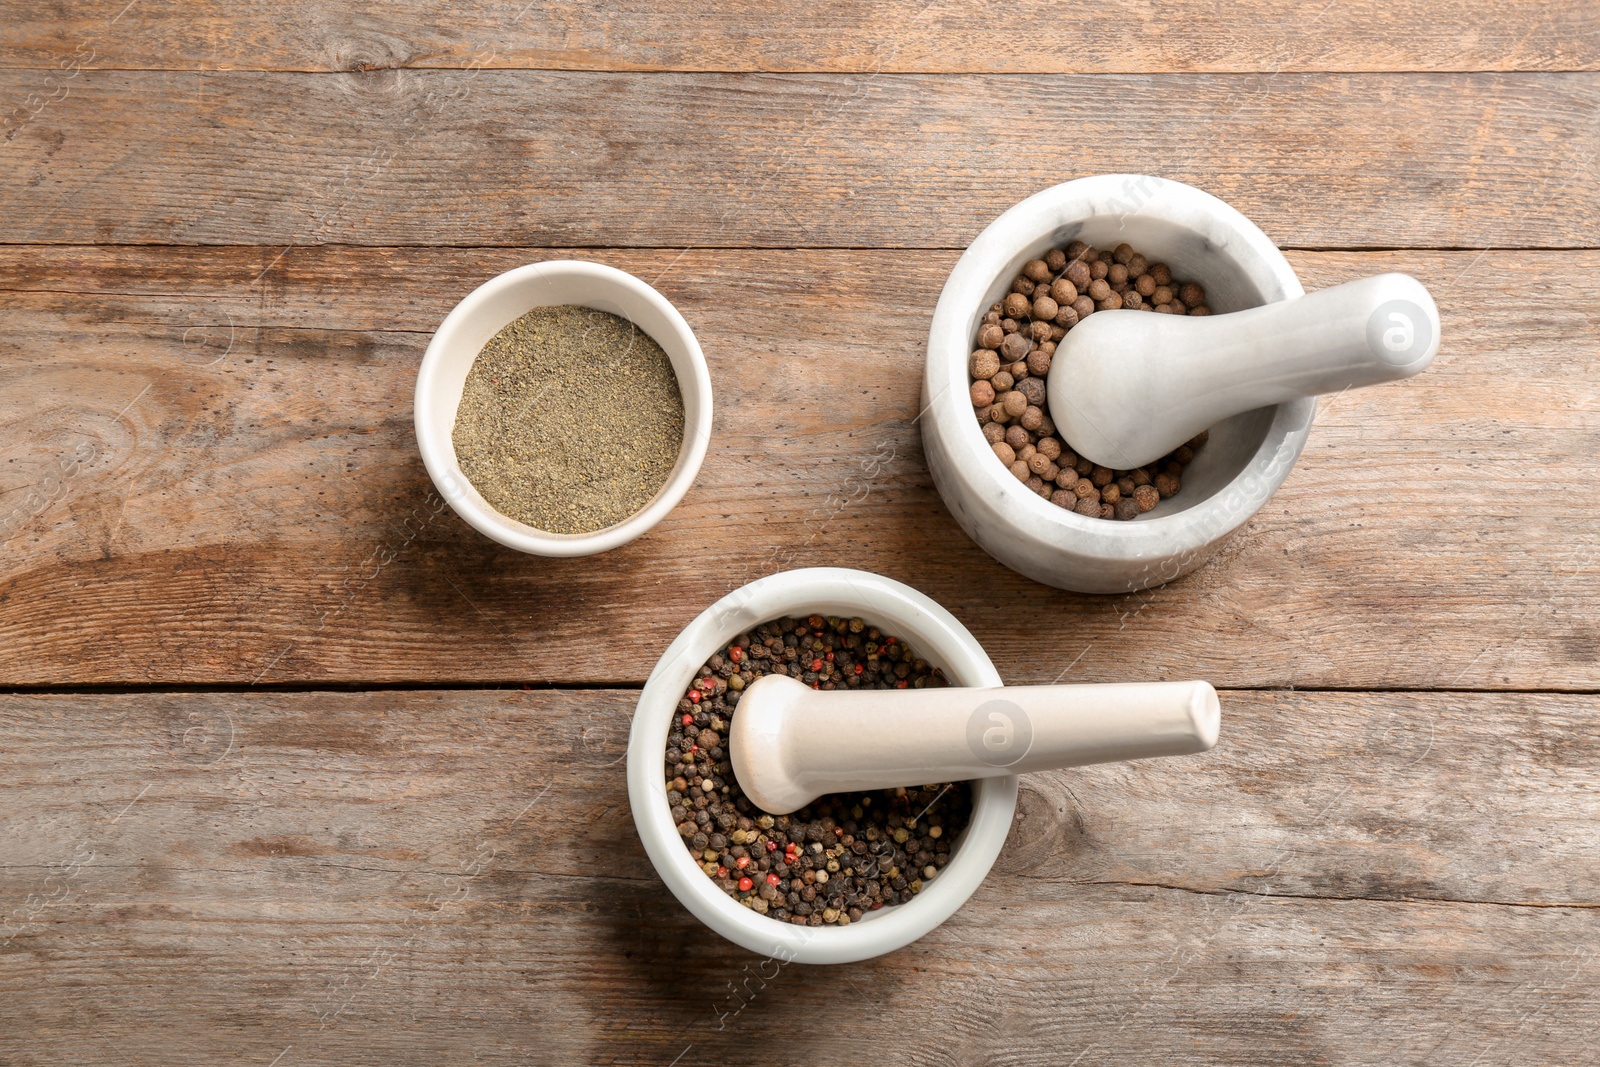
(523, 158)
(252, 509)
(325, 877)
(1026, 36)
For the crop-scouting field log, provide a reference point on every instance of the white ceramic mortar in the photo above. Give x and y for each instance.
(1246, 458)
(895, 608)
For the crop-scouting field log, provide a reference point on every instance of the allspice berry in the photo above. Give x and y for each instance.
(1016, 347)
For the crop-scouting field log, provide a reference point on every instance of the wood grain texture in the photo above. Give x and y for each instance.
(252, 508)
(556, 158)
(210, 323)
(941, 36)
(453, 877)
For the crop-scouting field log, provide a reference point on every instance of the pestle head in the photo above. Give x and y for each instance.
(1127, 387)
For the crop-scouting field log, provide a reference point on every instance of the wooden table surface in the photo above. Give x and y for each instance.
(296, 768)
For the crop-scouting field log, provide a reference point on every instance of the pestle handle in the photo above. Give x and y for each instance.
(1127, 387)
(791, 744)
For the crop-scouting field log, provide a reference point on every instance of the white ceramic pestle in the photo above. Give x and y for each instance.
(1127, 387)
(790, 743)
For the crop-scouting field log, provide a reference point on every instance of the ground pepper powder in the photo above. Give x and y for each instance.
(570, 420)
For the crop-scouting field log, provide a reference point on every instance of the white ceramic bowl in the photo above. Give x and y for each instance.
(1247, 457)
(897, 609)
(496, 304)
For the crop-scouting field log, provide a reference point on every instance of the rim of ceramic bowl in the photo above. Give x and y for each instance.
(484, 312)
(945, 381)
(938, 637)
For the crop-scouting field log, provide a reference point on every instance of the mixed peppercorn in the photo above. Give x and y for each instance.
(842, 855)
(1017, 340)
